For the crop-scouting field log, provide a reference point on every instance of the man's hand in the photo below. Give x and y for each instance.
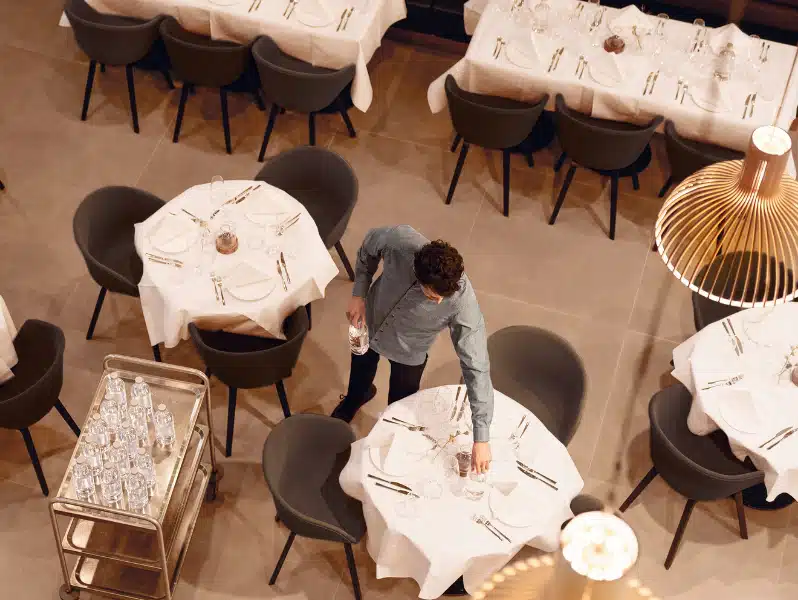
(356, 311)
(481, 457)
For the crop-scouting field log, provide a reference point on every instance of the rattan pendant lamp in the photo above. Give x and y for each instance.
(730, 231)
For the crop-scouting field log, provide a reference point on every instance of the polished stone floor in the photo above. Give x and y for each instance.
(614, 301)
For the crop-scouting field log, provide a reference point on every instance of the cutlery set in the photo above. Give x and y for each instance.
(218, 288)
(165, 261)
(281, 227)
(651, 81)
(394, 486)
(282, 271)
(637, 37)
(195, 218)
(778, 438)
(722, 382)
(763, 52)
(555, 59)
(482, 520)
(497, 49)
(516, 5)
(458, 414)
(519, 433)
(681, 88)
(735, 341)
(598, 19)
(254, 6)
(289, 8)
(580, 67)
(750, 101)
(405, 424)
(237, 199)
(344, 20)
(537, 475)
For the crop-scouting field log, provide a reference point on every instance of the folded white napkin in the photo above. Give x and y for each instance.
(315, 12)
(712, 95)
(242, 275)
(170, 229)
(631, 17)
(513, 506)
(406, 448)
(605, 68)
(523, 52)
(718, 38)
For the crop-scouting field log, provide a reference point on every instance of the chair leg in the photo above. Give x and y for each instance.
(457, 170)
(168, 77)
(231, 421)
(156, 353)
(268, 133)
(563, 191)
(258, 100)
(677, 538)
(456, 141)
(280, 562)
(506, 183)
(530, 160)
(67, 417)
(312, 129)
(34, 458)
(180, 110)
(635, 181)
(640, 487)
(344, 259)
(560, 161)
(2, 185)
(738, 500)
(87, 94)
(102, 67)
(225, 120)
(96, 314)
(131, 91)
(613, 203)
(665, 187)
(310, 318)
(283, 398)
(347, 121)
(350, 560)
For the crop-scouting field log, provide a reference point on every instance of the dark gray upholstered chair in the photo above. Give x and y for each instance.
(324, 183)
(302, 460)
(685, 157)
(542, 372)
(114, 41)
(34, 389)
(490, 122)
(292, 84)
(699, 467)
(103, 228)
(200, 61)
(610, 148)
(247, 362)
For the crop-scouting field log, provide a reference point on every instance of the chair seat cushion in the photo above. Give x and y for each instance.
(494, 101)
(120, 256)
(711, 452)
(234, 342)
(285, 61)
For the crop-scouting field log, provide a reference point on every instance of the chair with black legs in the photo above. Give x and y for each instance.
(113, 41)
(701, 468)
(103, 228)
(610, 148)
(302, 460)
(292, 84)
(200, 61)
(490, 122)
(685, 157)
(33, 391)
(247, 362)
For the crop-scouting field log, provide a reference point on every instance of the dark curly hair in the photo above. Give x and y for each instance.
(439, 266)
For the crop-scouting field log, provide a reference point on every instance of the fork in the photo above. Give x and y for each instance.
(288, 6)
(348, 15)
(395, 421)
(684, 91)
(480, 521)
(218, 282)
(747, 104)
(648, 82)
(498, 48)
(287, 223)
(753, 102)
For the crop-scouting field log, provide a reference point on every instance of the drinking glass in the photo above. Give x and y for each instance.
(660, 25)
(138, 492)
(207, 242)
(430, 489)
(164, 427)
(111, 484)
(146, 466)
(451, 469)
(94, 458)
(120, 458)
(129, 438)
(541, 15)
(217, 191)
(97, 432)
(109, 411)
(83, 479)
(463, 457)
(141, 390)
(475, 485)
(116, 387)
(138, 420)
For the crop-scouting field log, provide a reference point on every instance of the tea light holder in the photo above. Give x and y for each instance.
(226, 240)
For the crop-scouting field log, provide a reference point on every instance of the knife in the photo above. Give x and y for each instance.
(245, 194)
(394, 483)
(462, 407)
(405, 492)
(782, 432)
(538, 473)
(285, 267)
(653, 83)
(280, 272)
(535, 477)
(341, 20)
(349, 14)
(734, 333)
(776, 443)
(454, 408)
(648, 82)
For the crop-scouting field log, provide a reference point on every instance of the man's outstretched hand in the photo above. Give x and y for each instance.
(481, 457)
(356, 311)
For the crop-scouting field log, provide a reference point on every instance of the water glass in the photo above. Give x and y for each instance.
(97, 432)
(541, 15)
(138, 492)
(109, 411)
(475, 485)
(115, 386)
(207, 252)
(120, 458)
(129, 438)
(217, 191)
(463, 457)
(83, 479)
(660, 24)
(146, 467)
(94, 458)
(164, 427)
(111, 484)
(138, 420)
(141, 391)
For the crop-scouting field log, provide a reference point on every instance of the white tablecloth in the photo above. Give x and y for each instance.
(321, 46)
(787, 116)
(760, 404)
(442, 542)
(480, 72)
(8, 356)
(171, 298)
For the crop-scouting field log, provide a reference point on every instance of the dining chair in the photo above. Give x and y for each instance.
(542, 372)
(112, 41)
(700, 468)
(200, 61)
(302, 460)
(491, 122)
(610, 148)
(103, 229)
(247, 362)
(293, 84)
(685, 157)
(33, 391)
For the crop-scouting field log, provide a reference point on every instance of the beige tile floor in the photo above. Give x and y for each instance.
(614, 301)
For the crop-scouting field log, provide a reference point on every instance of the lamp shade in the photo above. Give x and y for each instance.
(730, 231)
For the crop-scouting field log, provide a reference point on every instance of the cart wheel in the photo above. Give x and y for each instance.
(210, 493)
(74, 594)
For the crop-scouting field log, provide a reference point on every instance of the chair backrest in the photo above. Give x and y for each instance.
(676, 451)
(685, 157)
(322, 181)
(294, 84)
(302, 460)
(598, 143)
(110, 39)
(103, 218)
(243, 367)
(491, 121)
(542, 372)
(199, 60)
(38, 376)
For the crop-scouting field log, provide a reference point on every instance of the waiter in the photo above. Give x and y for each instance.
(421, 291)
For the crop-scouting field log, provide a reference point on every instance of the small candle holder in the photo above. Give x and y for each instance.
(226, 240)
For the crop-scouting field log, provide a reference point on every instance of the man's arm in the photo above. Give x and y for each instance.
(368, 259)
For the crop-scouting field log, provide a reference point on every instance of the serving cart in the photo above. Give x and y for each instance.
(138, 556)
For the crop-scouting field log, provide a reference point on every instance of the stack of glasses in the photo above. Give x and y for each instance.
(116, 452)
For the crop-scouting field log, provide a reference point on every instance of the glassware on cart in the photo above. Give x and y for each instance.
(94, 458)
(359, 339)
(111, 484)
(142, 392)
(116, 387)
(120, 458)
(129, 438)
(138, 492)
(164, 427)
(138, 420)
(97, 431)
(83, 479)
(109, 411)
(146, 467)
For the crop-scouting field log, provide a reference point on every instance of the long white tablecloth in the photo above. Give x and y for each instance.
(8, 355)
(442, 542)
(321, 46)
(480, 72)
(758, 405)
(171, 297)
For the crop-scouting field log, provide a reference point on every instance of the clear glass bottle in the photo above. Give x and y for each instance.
(93, 454)
(109, 411)
(138, 493)
(120, 459)
(146, 466)
(141, 391)
(83, 479)
(111, 484)
(129, 438)
(359, 339)
(725, 64)
(138, 419)
(116, 387)
(97, 431)
(164, 427)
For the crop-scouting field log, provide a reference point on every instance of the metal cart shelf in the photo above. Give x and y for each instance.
(138, 556)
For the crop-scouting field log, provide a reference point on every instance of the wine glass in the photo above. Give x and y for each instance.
(659, 25)
(217, 190)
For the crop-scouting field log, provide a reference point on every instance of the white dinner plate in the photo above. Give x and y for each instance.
(601, 76)
(740, 412)
(176, 244)
(225, 2)
(514, 509)
(314, 16)
(267, 218)
(521, 57)
(252, 291)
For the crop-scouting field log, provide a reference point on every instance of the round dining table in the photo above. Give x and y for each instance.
(237, 256)
(449, 531)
